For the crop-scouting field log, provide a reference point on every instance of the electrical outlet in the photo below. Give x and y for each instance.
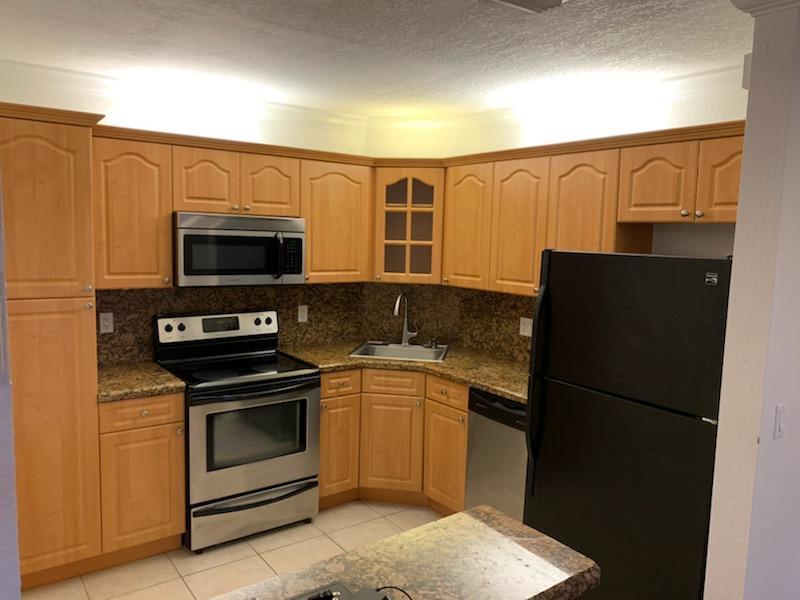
(106, 322)
(780, 417)
(526, 326)
(302, 313)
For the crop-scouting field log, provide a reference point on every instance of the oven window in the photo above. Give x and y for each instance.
(248, 435)
(230, 255)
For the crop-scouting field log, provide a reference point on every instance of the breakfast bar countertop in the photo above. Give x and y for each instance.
(479, 553)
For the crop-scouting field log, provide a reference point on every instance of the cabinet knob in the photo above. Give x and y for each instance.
(166, 279)
(88, 288)
(684, 212)
(536, 289)
(247, 207)
(145, 413)
(419, 402)
(377, 276)
(179, 431)
(443, 392)
(699, 213)
(462, 420)
(88, 305)
(445, 280)
(235, 207)
(306, 277)
(324, 405)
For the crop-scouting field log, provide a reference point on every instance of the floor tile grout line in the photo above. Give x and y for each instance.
(147, 587)
(352, 525)
(191, 593)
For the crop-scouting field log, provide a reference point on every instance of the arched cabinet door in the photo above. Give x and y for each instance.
(582, 201)
(718, 180)
(467, 226)
(205, 180)
(335, 200)
(270, 185)
(658, 183)
(47, 209)
(132, 214)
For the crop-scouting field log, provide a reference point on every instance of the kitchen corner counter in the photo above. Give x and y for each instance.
(504, 377)
(480, 553)
(135, 380)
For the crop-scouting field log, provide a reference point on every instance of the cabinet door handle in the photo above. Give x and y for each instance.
(166, 279)
(377, 276)
(443, 392)
(247, 207)
(235, 207)
(684, 212)
(88, 288)
(179, 431)
(324, 405)
(145, 413)
(445, 280)
(462, 420)
(419, 402)
(699, 213)
(89, 305)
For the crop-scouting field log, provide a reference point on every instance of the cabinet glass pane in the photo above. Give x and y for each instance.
(395, 226)
(422, 227)
(394, 259)
(421, 259)
(421, 193)
(397, 193)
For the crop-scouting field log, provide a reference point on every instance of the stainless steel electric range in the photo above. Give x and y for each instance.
(253, 424)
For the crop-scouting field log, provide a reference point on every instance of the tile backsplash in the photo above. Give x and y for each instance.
(349, 313)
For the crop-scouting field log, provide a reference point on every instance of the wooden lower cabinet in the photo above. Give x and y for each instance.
(143, 485)
(391, 442)
(338, 444)
(445, 473)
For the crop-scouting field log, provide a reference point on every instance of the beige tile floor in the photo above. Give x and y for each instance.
(182, 575)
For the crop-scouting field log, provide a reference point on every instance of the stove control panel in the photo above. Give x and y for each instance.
(208, 327)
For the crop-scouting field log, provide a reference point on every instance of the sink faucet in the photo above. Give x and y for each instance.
(407, 334)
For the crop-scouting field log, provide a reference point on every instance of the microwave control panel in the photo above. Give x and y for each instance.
(292, 256)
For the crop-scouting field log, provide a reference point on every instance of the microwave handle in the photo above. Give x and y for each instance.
(279, 238)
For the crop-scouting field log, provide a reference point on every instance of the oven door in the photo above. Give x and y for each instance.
(207, 257)
(250, 440)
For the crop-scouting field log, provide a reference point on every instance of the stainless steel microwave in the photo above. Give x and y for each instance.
(220, 250)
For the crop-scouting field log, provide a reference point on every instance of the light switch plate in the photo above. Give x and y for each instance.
(106, 322)
(302, 313)
(526, 326)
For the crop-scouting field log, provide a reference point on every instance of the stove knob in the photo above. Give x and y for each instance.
(257, 321)
(181, 327)
(168, 328)
(268, 320)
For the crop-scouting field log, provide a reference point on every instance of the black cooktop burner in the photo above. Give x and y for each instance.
(231, 371)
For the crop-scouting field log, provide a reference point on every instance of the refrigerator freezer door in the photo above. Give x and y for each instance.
(649, 328)
(627, 485)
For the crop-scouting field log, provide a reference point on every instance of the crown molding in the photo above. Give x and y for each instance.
(49, 115)
(758, 8)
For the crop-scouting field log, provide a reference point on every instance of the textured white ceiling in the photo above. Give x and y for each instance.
(377, 57)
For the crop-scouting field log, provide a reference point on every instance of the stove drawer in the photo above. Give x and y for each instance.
(122, 415)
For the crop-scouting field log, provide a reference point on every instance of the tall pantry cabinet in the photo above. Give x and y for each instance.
(47, 216)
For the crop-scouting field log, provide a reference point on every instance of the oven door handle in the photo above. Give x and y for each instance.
(218, 510)
(264, 393)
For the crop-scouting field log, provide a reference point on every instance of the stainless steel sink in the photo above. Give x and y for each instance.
(400, 352)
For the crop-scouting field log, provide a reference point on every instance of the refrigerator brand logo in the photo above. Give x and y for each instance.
(712, 278)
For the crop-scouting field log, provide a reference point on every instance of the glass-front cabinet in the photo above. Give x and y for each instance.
(408, 224)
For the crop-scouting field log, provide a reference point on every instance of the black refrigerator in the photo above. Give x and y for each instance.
(623, 396)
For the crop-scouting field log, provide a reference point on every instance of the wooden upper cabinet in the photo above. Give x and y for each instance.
(205, 180)
(132, 214)
(335, 200)
(408, 225)
(445, 472)
(53, 358)
(658, 183)
(339, 439)
(270, 185)
(519, 224)
(582, 202)
(143, 485)
(718, 180)
(467, 226)
(47, 209)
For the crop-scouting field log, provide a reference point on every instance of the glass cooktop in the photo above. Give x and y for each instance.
(231, 371)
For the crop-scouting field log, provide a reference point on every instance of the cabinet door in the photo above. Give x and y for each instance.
(467, 226)
(47, 209)
(335, 202)
(582, 201)
(143, 485)
(338, 444)
(205, 180)
(270, 185)
(445, 455)
(658, 183)
(132, 214)
(54, 373)
(391, 442)
(408, 225)
(519, 224)
(718, 180)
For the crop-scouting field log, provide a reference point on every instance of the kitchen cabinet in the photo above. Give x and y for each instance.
(658, 183)
(132, 214)
(47, 209)
(270, 185)
(467, 225)
(519, 224)
(143, 485)
(391, 442)
(408, 224)
(340, 383)
(393, 381)
(205, 180)
(335, 200)
(445, 472)
(52, 350)
(719, 172)
(339, 440)
(447, 392)
(582, 201)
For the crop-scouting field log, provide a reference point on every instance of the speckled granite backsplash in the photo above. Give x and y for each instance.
(340, 312)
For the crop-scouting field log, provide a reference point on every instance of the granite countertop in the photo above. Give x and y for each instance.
(135, 380)
(504, 377)
(480, 553)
